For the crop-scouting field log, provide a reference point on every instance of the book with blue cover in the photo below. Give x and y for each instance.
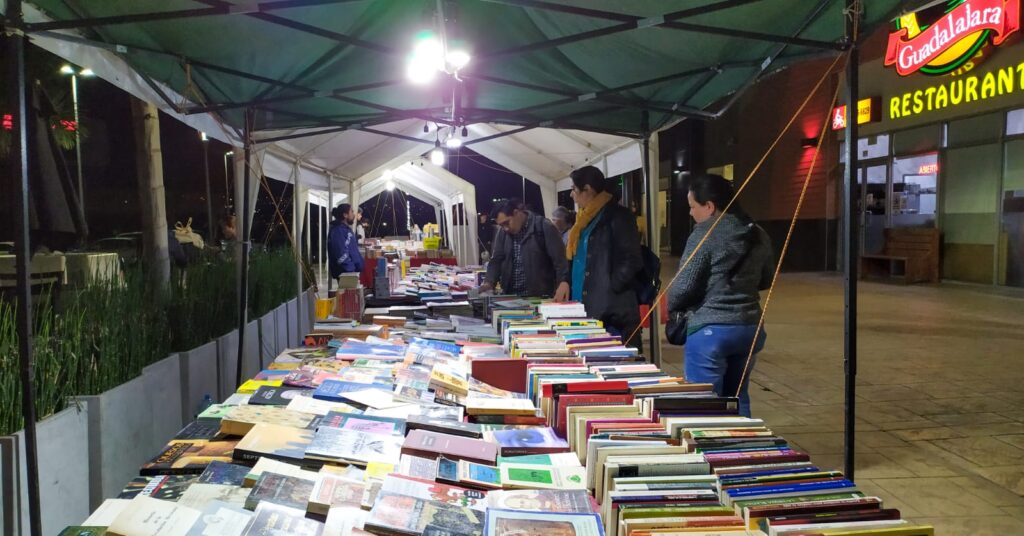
(332, 390)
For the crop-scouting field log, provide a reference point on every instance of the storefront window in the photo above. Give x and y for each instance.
(970, 230)
(977, 129)
(870, 147)
(917, 140)
(915, 190)
(1011, 233)
(1015, 122)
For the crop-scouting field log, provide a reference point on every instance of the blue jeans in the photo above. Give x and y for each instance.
(717, 354)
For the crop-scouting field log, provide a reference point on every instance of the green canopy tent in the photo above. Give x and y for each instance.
(333, 71)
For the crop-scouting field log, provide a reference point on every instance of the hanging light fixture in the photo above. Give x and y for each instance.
(465, 131)
(453, 141)
(437, 155)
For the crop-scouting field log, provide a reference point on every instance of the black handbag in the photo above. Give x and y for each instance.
(675, 328)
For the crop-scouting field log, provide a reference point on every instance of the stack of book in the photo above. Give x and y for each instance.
(396, 436)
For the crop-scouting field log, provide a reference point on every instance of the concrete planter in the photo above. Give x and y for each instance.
(163, 385)
(268, 344)
(227, 352)
(281, 323)
(63, 474)
(121, 434)
(198, 378)
(251, 355)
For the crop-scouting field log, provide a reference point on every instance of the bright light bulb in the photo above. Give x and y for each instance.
(419, 72)
(453, 142)
(67, 70)
(388, 174)
(86, 72)
(390, 185)
(429, 50)
(458, 59)
(202, 136)
(437, 157)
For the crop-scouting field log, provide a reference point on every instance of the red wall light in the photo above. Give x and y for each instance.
(8, 122)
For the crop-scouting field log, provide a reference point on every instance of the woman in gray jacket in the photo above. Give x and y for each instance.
(719, 290)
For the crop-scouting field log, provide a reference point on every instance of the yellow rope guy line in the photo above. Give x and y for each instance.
(757, 167)
(785, 245)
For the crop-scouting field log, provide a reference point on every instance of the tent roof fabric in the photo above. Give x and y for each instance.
(589, 65)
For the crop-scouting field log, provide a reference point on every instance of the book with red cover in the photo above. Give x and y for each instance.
(634, 422)
(432, 445)
(777, 457)
(834, 517)
(566, 401)
(597, 386)
(507, 374)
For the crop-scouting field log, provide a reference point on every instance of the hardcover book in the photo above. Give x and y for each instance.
(199, 429)
(224, 473)
(146, 516)
(277, 396)
(273, 441)
(545, 500)
(370, 424)
(429, 490)
(528, 441)
(339, 444)
(164, 487)
(241, 419)
(402, 514)
(278, 520)
(221, 519)
(518, 522)
(280, 489)
(332, 491)
(198, 495)
(434, 444)
(189, 457)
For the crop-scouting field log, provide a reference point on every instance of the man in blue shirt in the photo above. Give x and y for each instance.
(342, 242)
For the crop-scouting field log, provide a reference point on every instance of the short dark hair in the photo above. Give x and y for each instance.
(339, 211)
(589, 176)
(507, 207)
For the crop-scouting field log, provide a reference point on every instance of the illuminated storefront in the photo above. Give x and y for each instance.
(947, 148)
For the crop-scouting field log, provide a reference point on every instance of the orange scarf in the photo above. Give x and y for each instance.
(583, 219)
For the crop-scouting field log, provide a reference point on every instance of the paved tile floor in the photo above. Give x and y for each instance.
(940, 394)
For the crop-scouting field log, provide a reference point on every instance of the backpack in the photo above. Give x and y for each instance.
(647, 282)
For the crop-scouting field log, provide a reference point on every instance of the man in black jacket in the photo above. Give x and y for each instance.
(528, 258)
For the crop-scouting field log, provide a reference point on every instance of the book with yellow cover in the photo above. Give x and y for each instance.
(240, 419)
(251, 386)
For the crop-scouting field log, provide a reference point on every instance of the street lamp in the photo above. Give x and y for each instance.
(86, 73)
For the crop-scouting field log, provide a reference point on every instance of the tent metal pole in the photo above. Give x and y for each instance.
(209, 196)
(19, 173)
(243, 259)
(330, 207)
(650, 183)
(297, 248)
(851, 249)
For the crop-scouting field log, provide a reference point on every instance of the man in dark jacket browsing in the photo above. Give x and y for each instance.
(528, 258)
(342, 242)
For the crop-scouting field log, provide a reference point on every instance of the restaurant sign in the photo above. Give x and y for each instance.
(943, 45)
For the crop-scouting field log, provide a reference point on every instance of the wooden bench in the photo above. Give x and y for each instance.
(911, 254)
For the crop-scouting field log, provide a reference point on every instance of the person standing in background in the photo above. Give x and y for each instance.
(529, 257)
(719, 290)
(360, 225)
(604, 252)
(342, 242)
(563, 219)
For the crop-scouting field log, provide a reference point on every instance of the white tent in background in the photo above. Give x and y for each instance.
(337, 158)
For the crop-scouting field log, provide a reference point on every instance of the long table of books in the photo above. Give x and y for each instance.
(393, 435)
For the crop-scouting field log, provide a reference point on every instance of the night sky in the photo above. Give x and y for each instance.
(111, 190)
